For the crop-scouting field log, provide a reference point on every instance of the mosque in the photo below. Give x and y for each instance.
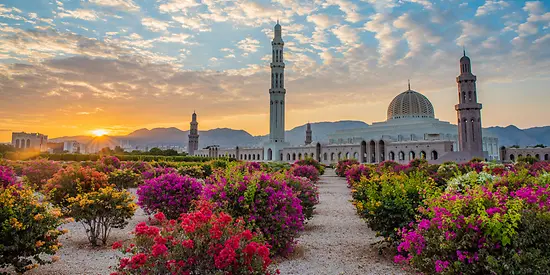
(411, 130)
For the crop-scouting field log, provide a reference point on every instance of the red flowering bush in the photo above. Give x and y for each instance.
(171, 194)
(486, 230)
(37, 172)
(343, 165)
(264, 201)
(200, 242)
(7, 176)
(306, 171)
(71, 181)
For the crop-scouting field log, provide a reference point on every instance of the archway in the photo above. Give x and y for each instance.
(363, 151)
(28, 143)
(269, 154)
(339, 155)
(288, 156)
(435, 155)
(331, 156)
(401, 155)
(392, 156)
(347, 155)
(355, 155)
(382, 149)
(372, 151)
(293, 156)
(545, 156)
(258, 158)
(512, 157)
(22, 144)
(412, 155)
(249, 156)
(422, 155)
(325, 156)
(281, 157)
(299, 156)
(318, 151)
(16, 143)
(253, 157)
(537, 156)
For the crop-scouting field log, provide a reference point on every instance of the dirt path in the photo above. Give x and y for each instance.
(336, 240)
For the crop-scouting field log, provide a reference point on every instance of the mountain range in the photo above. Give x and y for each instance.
(225, 137)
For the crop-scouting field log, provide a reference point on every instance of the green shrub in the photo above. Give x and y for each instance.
(28, 229)
(390, 201)
(100, 211)
(192, 171)
(125, 178)
(527, 159)
(219, 164)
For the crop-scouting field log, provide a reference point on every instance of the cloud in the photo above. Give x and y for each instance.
(83, 14)
(154, 25)
(346, 34)
(123, 5)
(491, 6)
(381, 25)
(248, 45)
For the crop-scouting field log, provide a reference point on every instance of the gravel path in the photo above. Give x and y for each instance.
(336, 240)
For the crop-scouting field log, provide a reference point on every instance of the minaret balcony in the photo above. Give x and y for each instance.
(468, 106)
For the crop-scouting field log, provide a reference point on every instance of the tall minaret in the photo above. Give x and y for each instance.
(308, 134)
(468, 110)
(193, 135)
(277, 91)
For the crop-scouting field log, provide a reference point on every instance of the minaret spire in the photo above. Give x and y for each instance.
(468, 110)
(193, 143)
(464, 50)
(409, 84)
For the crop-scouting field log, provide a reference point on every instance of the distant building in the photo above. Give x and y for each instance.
(55, 147)
(511, 154)
(71, 146)
(193, 144)
(29, 141)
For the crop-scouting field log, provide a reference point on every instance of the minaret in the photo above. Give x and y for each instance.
(193, 135)
(308, 134)
(468, 110)
(277, 91)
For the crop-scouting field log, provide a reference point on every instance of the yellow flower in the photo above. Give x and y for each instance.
(16, 224)
(38, 217)
(56, 212)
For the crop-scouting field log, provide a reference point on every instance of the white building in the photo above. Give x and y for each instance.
(411, 130)
(29, 141)
(71, 146)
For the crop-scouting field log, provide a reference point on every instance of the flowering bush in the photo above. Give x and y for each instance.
(248, 167)
(344, 165)
(201, 242)
(28, 229)
(311, 161)
(7, 176)
(461, 182)
(306, 171)
(157, 172)
(390, 201)
(171, 194)
(100, 211)
(307, 192)
(125, 178)
(192, 171)
(356, 172)
(487, 230)
(107, 164)
(71, 181)
(138, 167)
(39, 171)
(263, 201)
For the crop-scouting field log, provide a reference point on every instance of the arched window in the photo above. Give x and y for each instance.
(392, 156)
(465, 130)
(355, 155)
(253, 157)
(545, 156)
(473, 132)
(293, 156)
(339, 155)
(537, 156)
(311, 155)
(422, 155)
(241, 156)
(469, 95)
(331, 156)
(463, 96)
(520, 155)
(269, 154)
(347, 155)
(434, 155)
(412, 155)
(512, 157)
(281, 156)
(401, 155)
(325, 156)
(528, 155)
(22, 143)
(288, 156)
(299, 155)
(16, 143)
(258, 158)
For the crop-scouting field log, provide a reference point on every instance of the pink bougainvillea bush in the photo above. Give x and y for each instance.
(306, 171)
(343, 165)
(201, 242)
(71, 181)
(158, 171)
(39, 171)
(485, 230)
(264, 202)
(7, 176)
(306, 190)
(356, 172)
(170, 193)
(310, 161)
(108, 164)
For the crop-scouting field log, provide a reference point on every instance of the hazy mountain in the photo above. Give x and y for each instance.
(224, 137)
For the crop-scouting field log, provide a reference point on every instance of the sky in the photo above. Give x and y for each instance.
(70, 67)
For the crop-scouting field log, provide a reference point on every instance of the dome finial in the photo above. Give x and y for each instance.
(409, 84)
(464, 49)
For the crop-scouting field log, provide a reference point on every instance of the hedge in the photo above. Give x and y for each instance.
(94, 157)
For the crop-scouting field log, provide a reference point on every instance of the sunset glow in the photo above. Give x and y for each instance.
(99, 132)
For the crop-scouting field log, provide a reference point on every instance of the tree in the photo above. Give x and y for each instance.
(119, 150)
(170, 152)
(155, 151)
(540, 146)
(106, 151)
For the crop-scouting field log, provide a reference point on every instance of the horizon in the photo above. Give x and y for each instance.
(110, 68)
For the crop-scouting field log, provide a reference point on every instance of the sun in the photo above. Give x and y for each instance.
(99, 132)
